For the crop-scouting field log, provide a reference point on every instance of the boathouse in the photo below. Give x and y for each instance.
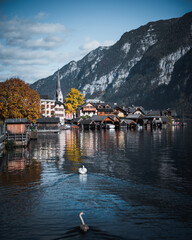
(88, 124)
(77, 121)
(46, 124)
(128, 123)
(16, 131)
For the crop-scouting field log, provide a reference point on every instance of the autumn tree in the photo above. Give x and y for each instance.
(18, 100)
(73, 100)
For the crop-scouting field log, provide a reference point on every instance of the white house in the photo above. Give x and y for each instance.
(47, 106)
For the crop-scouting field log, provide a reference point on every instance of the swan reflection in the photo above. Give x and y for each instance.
(83, 178)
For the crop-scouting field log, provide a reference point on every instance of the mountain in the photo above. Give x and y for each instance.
(148, 66)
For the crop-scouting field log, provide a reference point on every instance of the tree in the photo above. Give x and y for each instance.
(73, 100)
(18, 100)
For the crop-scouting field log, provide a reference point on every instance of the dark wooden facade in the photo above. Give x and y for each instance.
(48, 124)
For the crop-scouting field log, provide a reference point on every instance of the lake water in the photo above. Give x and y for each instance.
(138, 186)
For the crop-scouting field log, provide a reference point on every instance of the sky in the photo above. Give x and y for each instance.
(37, 37)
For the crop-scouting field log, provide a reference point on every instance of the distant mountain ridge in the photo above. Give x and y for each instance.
(149, 66)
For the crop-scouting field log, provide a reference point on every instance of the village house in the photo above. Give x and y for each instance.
(87, 109)
(120, 112)
(169, 112)
(104, 109)
(47, 106)
(136, 110)
(130, 116)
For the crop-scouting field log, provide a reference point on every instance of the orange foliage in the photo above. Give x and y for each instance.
(18, 100)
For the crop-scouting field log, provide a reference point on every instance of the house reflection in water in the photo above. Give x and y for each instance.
(46, 148)
(85, 147)
(18, 170)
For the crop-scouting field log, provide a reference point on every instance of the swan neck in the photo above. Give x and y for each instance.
(82, 219)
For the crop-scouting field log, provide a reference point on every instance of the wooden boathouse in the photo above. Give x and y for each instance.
(16, 131)
(46, 124)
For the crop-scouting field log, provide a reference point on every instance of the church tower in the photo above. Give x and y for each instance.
(59, 105)
(59, 95)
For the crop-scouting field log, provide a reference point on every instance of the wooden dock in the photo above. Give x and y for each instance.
(20, 140)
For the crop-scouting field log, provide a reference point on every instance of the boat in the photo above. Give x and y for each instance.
(82, 170)
(65, 127)
(74, 126)
(110, 126)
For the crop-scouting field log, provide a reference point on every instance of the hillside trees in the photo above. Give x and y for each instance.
(18, 100)
(73, 100)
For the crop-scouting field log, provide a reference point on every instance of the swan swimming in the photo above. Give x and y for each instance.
(83, 170)
(83, 226)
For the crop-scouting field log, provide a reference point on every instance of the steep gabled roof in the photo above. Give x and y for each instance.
(121, 108)
(97, 118)
(87, 121)
(154, 113)
(16, 120)
(84, 104)
(133, 116)
(48, 120)
(45, 97)
(76, 120)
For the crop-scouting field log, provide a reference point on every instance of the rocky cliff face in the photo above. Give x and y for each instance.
(149, 66)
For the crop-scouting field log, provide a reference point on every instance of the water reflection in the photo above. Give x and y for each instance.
(134, 155)
(138, 185)
(46, 147)
(93, 233)
(18, 170)
(83, 178)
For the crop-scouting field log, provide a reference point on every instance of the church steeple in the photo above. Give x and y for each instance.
(59, 95)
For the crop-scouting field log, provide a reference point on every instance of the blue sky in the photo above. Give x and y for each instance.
(39, 36)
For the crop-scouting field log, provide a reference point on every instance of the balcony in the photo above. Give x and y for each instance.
(89, 109)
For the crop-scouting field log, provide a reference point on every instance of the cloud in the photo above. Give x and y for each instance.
(29, 49)
(90, 45)
(23, 32)
(32, 50)
(41, 42)
(40, 15)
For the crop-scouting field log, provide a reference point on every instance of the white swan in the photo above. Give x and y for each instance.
(83, 226)
(83, 170)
